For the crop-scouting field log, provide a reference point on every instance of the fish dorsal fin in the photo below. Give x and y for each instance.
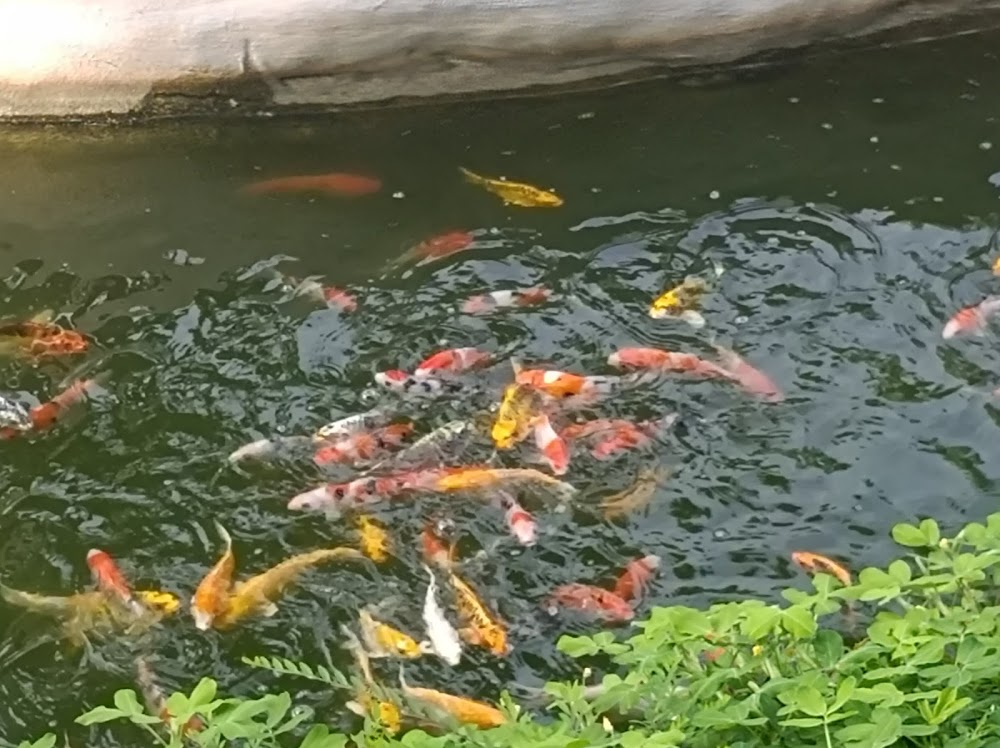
(517, 366)
(43, 317)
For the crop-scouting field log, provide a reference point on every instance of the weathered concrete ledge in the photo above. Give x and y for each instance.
(143, 57)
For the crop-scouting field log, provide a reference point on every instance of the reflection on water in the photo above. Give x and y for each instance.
(849, 203)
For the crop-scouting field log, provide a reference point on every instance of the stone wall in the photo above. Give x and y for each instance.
(86, 57)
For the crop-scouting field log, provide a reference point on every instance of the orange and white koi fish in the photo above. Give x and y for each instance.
(437, 551)
(566, 385)
(751, 379)
(506, 299)
(520, 406)
(39, 339)
(551, 445)
(382, 640)
(814, 563)
(47, 415)
(454, 361)
(480, 627)
(334, 498)
(365, 446)
(634, 581)
(343, 185)
(519, 521)
(374, 539)
(681, 301)
(972, 320)
(156, 700)
(586, 598)
(110, 579)
(655, 358)
(464, 710)
(481, 477)
(442, 635)
(211, 599)
(635, 496)
(635, 436)
(398, 380)
(256, 595)
(351, 425)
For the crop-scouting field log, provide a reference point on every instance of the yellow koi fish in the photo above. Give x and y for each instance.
(256, 595)
(635, 496)
(368, 703)
(517, 410)
(211, 599)
(681, 301)
(478, 478)
(996, 266)
(382, 640)
(480, 628)
(460, 708)
(515, 193)
(374, 539)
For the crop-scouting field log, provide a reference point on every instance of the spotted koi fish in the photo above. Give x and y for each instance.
(334, 498)
(681, 302)
(586, 598)
(352, 425)
(47, 415)
(364, 446)
(520, 406)
(506, 299)
(972, 320)
(519, 521)
(453, 361)
(480, 627)
(427, 386)
(460, 708)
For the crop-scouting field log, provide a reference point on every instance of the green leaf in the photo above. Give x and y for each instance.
(884, 694)
(930, 531)
(801, 722)
(576, 646)
(900, 571)
(798, 622)
(888, 728)
(844, 692)
(908, 535)
(759, 622)
(829, 647)
(277, 707)
(203, 694)
(100, 714)
(809, 700)
(46, 741)
(128, 703)
(927, 654)
(319, 737)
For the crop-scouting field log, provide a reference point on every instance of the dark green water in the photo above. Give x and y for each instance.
(854, 214)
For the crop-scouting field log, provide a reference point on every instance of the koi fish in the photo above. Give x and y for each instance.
(520, 523)
(269, 449)
(157, 602)
(156, 700)
(211, 599)
(257, 594)
(426, 386)
(631, 586)
(343, 185)
(594, 427)
(519, 407)
(751, 379)
(505, 299)
(436, 550)
(681, 301)
(454, 361)
(430, 447)
(473, 478)
(382, 711)
(464, 710)
(814, 563)
(479, 626)
(655, 358)
(592, 600)
(382, 640)
(46, 415)
(515, 193)
(14, 415)
(332, 296)
(333, 498)
(364, 447)
(442, 635)
(374, 540)
(972, 320)
(565, 385)
(442, 245)
(996, 266)
(635, 436)
(39, 339)
(635, 496)
(551, 445)
(110, 579)
(351, 425)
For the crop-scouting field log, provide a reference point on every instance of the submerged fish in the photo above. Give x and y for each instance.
(515, 193)
(436, 549)
(453, 361)
(442, 245)
(996, 266)
(363, 447)
(39, 339)
(270, 449)
(655, 358)
(566, 385)
(14, 415)
(110, 579)
(156, 699)
(751, 379)
(48, 414)
(552, 446)
(816, 562)
(521, 404)
(519, 521)
(681, 301)
(332, 296)
(368, 704)
(374, 539)
(430, 448)
(344, 185)
(635, 496)
(351, 425)
(473, 478)
(211, 599)
(635, 436)
(506, 299)
(425, 386)
(333, 498)
(596, 601)
(460, 708)
(256, 595)
(382, 640)
(442, 635)
(972, 320)
(480, 627)
(631, 586)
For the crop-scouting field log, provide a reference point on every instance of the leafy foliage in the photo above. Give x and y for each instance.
(924, 672)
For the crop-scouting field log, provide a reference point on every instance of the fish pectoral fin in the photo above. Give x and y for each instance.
(471, 635)
(268, 609)
(426, 647)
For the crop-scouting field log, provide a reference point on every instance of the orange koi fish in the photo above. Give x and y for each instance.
(814, 563)
(551, 445)
(752, 380)
(506, 299)
(565, 385)
(156, 700)
(454, 361)
(655, 358)
(437, 551)
(635, 436)
(464, 710)
(595, 427)
(211, 599)
(46, 415)
(38, 339)
(443, 245)
(972, 320)
(110, 579)
(633, 583)
(480, 627)
(520, 523)
(596, 601)
(343, 185)
(364, 446)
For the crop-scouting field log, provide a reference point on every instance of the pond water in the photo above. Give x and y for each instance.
(851, 200)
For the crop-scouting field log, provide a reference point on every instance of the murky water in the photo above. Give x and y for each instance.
(850, 200)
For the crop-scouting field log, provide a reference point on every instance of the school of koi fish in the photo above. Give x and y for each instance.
(515, 451)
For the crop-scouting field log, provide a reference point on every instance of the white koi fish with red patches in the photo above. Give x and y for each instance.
(551, 445)
(520, 523)
(972, 320)
(334, 498)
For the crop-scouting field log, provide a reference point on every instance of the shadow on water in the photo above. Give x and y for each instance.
(850, 201)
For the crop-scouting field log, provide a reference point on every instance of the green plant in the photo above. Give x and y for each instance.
(745, 674)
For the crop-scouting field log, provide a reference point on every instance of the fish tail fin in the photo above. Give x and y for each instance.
(360, 655)
(402, 679)
(516, 365)
(471, 177)
(224, 534)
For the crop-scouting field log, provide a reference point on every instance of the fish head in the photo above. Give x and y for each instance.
(163, 602)
(548, 199)
(478, 304)
(317, 499)
(203, 619)
(407, 647)
(393, 378)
